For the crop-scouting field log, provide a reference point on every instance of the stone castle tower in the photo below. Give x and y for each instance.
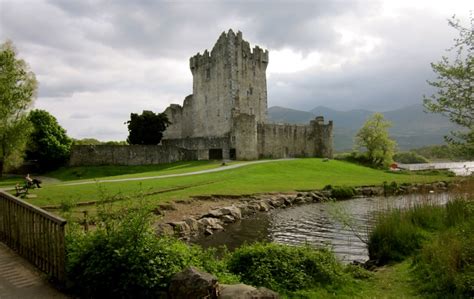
(225, 117)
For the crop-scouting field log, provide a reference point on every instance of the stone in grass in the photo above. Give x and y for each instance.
(192, 283)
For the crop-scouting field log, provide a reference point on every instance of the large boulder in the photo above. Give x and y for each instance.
(232, 211)
(210, 223)
(192, 283)
(243, 291)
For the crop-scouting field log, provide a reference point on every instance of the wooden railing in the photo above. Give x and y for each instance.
(33, 233)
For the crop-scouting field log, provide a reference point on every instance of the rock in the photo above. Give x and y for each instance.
(243, 291)
(227, 219)
(192, 223)
(181, 228)
(216, 213)
(211, 223)
(277, 202)
(245, 210)
(164, 229)
(316, 197)
(192, 283)
(233, 211)
(254, 206)
(208, 232)
(263, 207)
(299, 200)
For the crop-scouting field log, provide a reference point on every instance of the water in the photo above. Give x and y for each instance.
(342, 225)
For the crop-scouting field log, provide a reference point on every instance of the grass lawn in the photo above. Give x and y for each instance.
(102, 172)
(278, 176)
(393, 281)
(9, 181)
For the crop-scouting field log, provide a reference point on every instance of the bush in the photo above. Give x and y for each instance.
(409, 158)
(285, 268)
(394, 238)
(343, 192)
(123, 258)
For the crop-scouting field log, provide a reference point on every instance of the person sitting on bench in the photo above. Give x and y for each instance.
(32, 182)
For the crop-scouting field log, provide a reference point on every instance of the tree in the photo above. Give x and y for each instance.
(374, 137)
(455, 85)
(146, 128)
(18, 88)
(49, 144)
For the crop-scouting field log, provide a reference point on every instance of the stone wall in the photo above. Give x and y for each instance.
(201, 145)
(88, 155)
(285, 140)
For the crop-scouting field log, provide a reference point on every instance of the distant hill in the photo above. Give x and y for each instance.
(412, 127)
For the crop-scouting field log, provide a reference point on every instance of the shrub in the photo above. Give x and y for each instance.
(285, 268)
(343, 192)
(123, 258)
(394, 238)
(409, 158)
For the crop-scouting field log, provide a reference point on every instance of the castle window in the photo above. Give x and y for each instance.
(251, 111)
(251, 90)
(208, 73)
(218, 112)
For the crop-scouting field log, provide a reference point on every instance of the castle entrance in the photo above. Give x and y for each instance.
(215, 154)
(232, 154)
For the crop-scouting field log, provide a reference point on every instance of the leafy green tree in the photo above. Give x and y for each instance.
(18, 88)
(374, 138)
(49, 144)
(454, 87)
(86, 141)
(93, 141)
(146, 128)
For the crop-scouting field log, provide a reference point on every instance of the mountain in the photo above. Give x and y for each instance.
(411, 126)
(279, 114)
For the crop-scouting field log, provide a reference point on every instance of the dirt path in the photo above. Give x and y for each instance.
(18, 279)
(222, 168)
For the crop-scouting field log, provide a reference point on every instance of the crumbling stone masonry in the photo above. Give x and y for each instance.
(225, 117)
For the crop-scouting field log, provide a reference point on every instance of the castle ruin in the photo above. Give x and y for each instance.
(225, 117)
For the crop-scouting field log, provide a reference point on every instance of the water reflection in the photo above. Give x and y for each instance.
(343, 225)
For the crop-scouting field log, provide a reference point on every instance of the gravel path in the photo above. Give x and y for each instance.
(222, 168)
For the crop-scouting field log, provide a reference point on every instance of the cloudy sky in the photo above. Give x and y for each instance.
(98, 61)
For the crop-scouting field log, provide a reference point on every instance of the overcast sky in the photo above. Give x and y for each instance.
(98, 61)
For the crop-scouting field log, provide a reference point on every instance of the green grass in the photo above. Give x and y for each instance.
(10, 181)
(387, 282)
(278, 176)
(117, 171)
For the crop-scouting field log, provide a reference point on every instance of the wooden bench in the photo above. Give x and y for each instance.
(21, 190)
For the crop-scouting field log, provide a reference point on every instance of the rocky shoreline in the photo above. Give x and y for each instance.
(227, 209)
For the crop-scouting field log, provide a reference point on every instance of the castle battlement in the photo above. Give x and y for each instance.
(233, 47)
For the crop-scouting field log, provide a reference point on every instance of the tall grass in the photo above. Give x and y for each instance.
(439, 238)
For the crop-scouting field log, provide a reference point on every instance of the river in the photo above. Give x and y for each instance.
(342, 225)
